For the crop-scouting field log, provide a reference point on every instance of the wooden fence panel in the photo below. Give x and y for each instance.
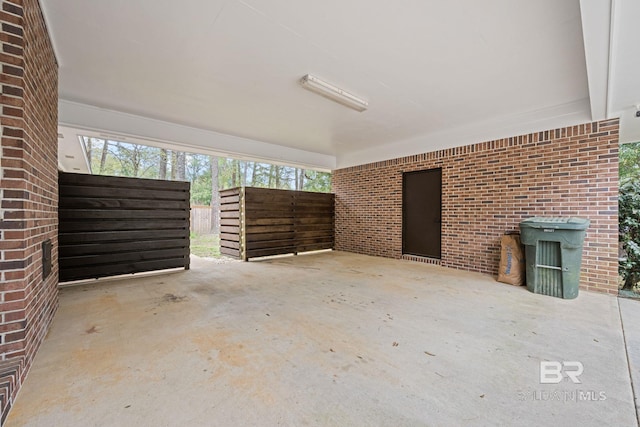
(201, 219)
(113, 225)
(273, 222)
(230, 229)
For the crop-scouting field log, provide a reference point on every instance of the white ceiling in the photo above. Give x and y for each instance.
(222, 75)
(625, 67)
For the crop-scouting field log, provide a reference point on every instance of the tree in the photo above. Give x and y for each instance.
(317, 181)
(629, 164)
(244, 167)
(162, 166)
(126, 159)
(271, 176)
(172, 163)
(629, 228)
(629, 214)
(180, 165)
(235, 173)
(88, 142)
(215, 195)
(103, 156)
(299, 179)
(253, 174)
(276, 179)
(135, 160)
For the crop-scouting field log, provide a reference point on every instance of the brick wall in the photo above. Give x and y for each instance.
(487, 189)
(28, 194)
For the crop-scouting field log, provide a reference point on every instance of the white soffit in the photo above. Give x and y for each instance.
(613, 58)
(596, 27)
(224, 74)
(71, 153)
(501, 127)
(78, 120)
(624, 98)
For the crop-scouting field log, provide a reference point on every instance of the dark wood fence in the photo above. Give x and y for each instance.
(259, 222)
(230, 222)
(113, 225)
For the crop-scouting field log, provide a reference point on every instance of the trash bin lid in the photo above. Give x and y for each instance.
(558, 223)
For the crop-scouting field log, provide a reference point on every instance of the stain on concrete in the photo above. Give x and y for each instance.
(316, 361)
(168, 298)
(205, 290)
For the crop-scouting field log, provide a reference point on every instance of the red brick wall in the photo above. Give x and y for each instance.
(487, 189)
(28, 195)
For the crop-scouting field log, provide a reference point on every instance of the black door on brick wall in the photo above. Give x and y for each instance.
(422, 213)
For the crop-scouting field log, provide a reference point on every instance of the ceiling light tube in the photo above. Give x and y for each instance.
(333, 93)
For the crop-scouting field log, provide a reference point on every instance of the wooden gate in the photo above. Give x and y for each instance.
(257, 222)
(112, 225)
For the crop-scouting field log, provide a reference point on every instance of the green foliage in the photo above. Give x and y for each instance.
(629, 213)
(236, 173)
(198, 172)
(205, 245)
(319, 182)
(134, 160)
(629, 161)
(629, 226)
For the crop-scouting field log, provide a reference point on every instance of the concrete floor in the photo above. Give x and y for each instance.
(327, 339)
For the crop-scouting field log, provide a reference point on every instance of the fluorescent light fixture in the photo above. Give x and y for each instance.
(333, 93)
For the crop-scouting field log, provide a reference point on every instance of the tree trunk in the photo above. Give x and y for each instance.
(135, 160)
(181, 160)
(299, 179)
(103, 157)
(162, 169)
(89, 149)
(244, 173)
(173, 165)
(253, 174)
(234, 173)
(277, 178)
(271, 169)
(215, 196)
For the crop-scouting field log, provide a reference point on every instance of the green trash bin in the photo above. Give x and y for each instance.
(553, 254)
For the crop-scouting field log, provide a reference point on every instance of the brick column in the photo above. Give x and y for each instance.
(28, 190)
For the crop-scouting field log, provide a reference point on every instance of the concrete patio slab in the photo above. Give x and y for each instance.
(325, 339)
(630, 314)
